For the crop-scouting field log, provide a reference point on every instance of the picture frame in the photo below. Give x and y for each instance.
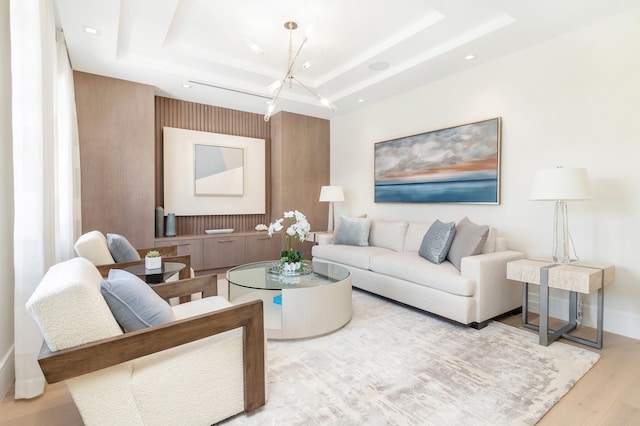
(459, 164)
(179, 163)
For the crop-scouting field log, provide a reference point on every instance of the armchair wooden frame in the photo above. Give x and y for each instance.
(69, 363)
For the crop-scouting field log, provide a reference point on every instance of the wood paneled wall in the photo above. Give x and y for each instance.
(115, 126)
(300, 166)
(206, 118)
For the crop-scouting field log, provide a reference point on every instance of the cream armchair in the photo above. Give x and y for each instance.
(94, 246)
(205, 365)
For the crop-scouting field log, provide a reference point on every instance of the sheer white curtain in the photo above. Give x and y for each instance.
(46, 169)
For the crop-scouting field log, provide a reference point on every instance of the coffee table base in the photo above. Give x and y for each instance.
(303, 312)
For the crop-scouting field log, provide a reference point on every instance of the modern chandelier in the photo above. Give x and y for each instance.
(290, 75)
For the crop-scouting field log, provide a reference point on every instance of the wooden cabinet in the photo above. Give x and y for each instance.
(261, 247)
(193, 247)
(223, 252)
(217, 253)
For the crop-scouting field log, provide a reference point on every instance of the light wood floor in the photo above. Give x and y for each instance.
(609, 394)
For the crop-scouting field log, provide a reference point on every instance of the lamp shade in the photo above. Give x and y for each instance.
(331, 193)
(560, 184)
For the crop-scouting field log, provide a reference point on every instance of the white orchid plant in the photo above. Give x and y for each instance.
(298, 230)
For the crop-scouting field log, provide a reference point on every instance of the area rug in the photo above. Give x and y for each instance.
(393, 365)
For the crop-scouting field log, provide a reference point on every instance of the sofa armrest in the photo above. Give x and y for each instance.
(324, 238)
(495, 294)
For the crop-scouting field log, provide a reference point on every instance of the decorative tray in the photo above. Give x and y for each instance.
(218, 231)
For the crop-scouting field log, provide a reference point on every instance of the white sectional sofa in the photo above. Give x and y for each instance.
(390, 266)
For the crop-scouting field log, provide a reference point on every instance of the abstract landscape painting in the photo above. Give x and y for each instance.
(455, 165)
(218, 170)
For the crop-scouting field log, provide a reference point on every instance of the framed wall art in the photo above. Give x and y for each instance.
(218, 170)
(212, 173)
(458, 164)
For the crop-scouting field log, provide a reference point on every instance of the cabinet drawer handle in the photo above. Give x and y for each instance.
(182, 244)
(225, 241)
(263, 238)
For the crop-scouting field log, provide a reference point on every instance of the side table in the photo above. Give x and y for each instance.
(156, 276)
(575, 277)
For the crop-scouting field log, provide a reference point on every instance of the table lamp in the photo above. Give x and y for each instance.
(560, 185)
(331, 194)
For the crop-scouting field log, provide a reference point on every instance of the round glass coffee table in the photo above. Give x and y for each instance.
(295, 306)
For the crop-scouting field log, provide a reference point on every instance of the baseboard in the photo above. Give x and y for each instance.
(617, 322)
(7, 371)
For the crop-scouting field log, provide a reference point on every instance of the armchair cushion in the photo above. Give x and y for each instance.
(133, 303)
(93, 246)
(121, 249)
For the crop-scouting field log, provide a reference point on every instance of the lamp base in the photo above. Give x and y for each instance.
(560, 233)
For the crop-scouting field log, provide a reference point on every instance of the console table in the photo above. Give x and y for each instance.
(217, 253)
(575, 277)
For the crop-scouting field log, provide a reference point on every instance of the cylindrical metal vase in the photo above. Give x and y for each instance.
(159, 222)
(171, 225)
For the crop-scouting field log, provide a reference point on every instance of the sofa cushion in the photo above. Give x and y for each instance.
(121, 249)
(412, 267)
(93, 246)
(353, 231)
(415, 235)
(468, 241)
(436, 242)
(388, 234)
(133, 303)
(358, 257)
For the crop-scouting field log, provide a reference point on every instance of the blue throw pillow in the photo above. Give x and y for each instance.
(133, 303)
(353, 231)
(436, 242)
(121, 249)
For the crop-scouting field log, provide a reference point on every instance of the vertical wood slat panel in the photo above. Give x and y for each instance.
(206, 118)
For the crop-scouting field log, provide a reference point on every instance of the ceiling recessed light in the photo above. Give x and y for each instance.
(186, 85)
(253, 46)
(361, 100)
(90, 30)
(378, 66)
(470, 57)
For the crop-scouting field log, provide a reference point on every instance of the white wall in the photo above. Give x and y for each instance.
(6, 211)
(572, 101)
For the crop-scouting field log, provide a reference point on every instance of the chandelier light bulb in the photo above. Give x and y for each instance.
(272, 106)
(290, 74)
